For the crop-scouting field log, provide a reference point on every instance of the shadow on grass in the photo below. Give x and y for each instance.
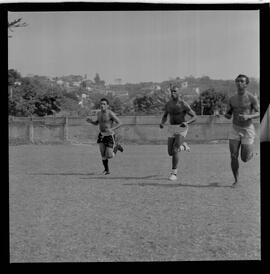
(149, 177)
(108, 177)
(64, 173)
(98, 176)
(211, 185)
(154, 178)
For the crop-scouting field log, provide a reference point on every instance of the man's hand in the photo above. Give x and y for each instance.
(244, 117)
(89, 120)
(161, 126)
(228, 116)
(109, 130)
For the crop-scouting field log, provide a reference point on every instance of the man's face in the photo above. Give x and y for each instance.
(241, 84)
(174, 94)
(103, 105)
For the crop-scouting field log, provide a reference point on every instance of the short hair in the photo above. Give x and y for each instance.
(105, 99)
(243, 76)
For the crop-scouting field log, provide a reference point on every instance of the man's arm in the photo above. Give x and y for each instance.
(190, 113)
(89, 120)
(255, 107)
(193, 116)
(228, 113)
(115, 120)
(164, 118)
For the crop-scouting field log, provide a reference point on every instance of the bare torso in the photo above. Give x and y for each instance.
(106, 120)
(177, 111)
(243, 104)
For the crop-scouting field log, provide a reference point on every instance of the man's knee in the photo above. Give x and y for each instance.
(246, 157)
(246, 153)
(109, 153)
(175, 149)
(234, 157)
(177, 143)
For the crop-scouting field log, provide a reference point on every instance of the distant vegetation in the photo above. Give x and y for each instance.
(76, 95)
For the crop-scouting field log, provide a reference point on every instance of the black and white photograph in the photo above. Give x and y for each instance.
(134, 132)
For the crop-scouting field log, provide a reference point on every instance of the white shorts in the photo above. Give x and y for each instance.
(177, 130)
(246, 135)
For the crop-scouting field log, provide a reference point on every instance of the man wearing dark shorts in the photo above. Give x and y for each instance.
(178, 128)
(106, 137)
(243, 107)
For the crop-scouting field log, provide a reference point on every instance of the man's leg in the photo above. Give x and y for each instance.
(175, 160)
(178, 140)
(246, 152)
(109, 152)
(234, 150)
(105, 161)
(109, 145)
(247, 145)
(170, 145)
(117, 145)
(180, 143)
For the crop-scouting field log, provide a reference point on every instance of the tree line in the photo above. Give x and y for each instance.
(39, 96)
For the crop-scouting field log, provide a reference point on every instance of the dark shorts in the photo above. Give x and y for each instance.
(108, 141)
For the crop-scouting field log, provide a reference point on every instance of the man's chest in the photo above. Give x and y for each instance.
(176, 108)
(104, 117)
(243, 103)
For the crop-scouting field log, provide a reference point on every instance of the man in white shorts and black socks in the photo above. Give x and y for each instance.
(178, 128)
(106, 138)
(243, 107)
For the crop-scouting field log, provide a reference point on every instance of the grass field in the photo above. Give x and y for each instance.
(63, 210)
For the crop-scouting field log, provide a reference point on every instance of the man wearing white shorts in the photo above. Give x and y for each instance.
(178, 128)
(243, 107)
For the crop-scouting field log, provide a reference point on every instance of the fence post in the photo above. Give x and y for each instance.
(66, 129)
(31, 131)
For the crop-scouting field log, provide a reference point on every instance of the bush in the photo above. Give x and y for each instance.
(210, 102)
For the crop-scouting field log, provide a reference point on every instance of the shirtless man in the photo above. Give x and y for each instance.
(243, 107)
(106, 137)
(177, 110)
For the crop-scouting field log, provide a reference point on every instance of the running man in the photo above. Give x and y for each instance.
(243, 107)
(178, 128)
(106, 138)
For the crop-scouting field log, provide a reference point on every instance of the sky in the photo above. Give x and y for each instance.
(136, 46)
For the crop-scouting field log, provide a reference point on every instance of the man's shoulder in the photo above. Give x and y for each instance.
(113, 115)
(251, 96)
(111, 112)
(185, 103)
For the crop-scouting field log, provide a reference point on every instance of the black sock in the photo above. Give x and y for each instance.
(106, 164)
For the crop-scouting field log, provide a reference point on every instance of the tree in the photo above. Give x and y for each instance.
(98, 81)
(117, 106)
(209, 101)
(13, 76)
(47, 105)
(17, 23)
(151, 103)
(32, 97)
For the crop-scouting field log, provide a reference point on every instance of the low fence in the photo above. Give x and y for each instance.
(135, 129)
